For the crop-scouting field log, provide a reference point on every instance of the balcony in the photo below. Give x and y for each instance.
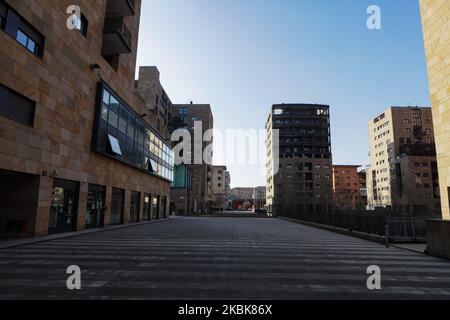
(116, 37)
(120, 8)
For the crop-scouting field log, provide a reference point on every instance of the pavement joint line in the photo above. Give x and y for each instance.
(8, 244)
(282, 260)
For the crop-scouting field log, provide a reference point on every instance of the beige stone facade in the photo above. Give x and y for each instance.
(436, 31)
(157, 102)
(63, 84)
(402, 137)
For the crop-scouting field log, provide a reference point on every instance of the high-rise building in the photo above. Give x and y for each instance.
(349, 186)
(299, 173)
(158, 104)
(219, 185)
(76, 151)
(403, 175)
(435, 21)
(198, 119)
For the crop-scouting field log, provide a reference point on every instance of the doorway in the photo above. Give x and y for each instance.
(95, 211)
(117, 206)
(155, 209)
(135, 206)
(19, 195)
(147, 207)
(64, 209)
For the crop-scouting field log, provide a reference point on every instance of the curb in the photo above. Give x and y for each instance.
(8, 244)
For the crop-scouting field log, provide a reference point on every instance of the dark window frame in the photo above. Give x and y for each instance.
(84, 25)
(134, 153)
(13, 23)
(3, 14)
(7, 111)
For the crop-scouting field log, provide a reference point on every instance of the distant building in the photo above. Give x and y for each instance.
(259, 193)
(219, 185)
(349, 188)
(186, 116)
(362, 174)
(300, 180)
(241, 193)
(149, 88)
(403, 173)
(259, 196)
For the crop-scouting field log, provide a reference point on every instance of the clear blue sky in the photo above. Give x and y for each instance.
(244, 56)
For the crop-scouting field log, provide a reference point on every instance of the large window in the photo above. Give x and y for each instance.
(82, 25)
(16, 107)
(123, 134)
(21, 30)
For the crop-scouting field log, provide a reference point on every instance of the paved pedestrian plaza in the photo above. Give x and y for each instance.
(219, 258)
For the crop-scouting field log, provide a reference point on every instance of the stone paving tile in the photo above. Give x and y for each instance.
(219, 258)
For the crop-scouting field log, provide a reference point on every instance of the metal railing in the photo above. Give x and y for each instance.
(117, 25)
(393, 226)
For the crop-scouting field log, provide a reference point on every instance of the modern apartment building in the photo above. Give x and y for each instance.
(220, 187)
(349, 188)
(76, 151)
(198, 120)
(403, 175)
(435, 22)
(299, 179)
(157, 103)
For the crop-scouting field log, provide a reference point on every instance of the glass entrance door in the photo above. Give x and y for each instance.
(155, 209)
(95, 211)
(64, 209)
(146, 209)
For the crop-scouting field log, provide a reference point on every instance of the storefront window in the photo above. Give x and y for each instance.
(95, 210)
